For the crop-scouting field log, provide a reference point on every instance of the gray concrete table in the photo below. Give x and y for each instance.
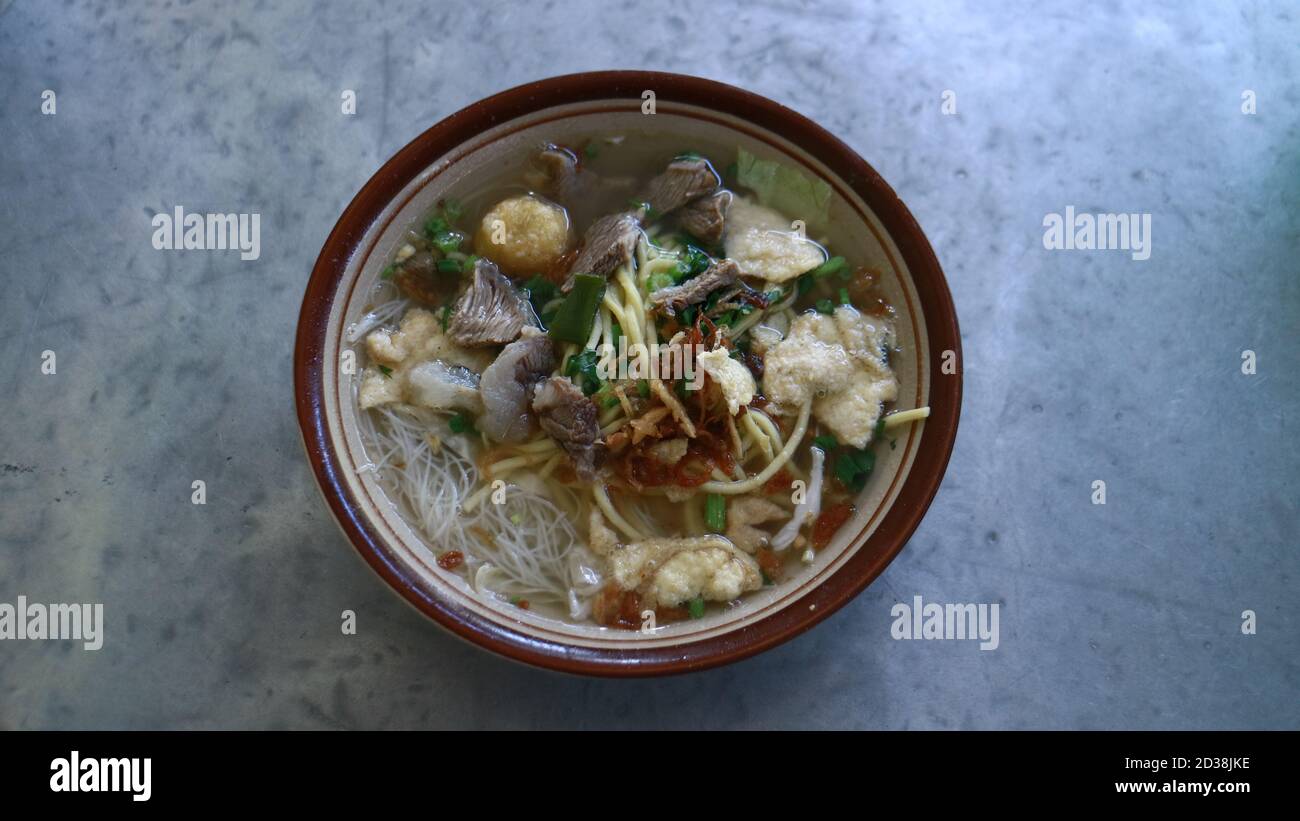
(1079, 365)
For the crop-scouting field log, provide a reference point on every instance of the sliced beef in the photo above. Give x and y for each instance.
(418, 279)
(560, 165)
(608, 243)
(684, 180)
(490, 312)
(566, 179)
(571, 419)
(720, 274)
(705, 218)
(506, 387)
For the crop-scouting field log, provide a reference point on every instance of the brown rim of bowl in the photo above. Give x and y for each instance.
(895, 528)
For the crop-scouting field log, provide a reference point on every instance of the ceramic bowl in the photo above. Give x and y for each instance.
(491, 139)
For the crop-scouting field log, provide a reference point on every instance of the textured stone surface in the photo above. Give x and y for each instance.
(1078, 365)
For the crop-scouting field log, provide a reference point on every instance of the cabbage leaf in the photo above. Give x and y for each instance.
(785, 189)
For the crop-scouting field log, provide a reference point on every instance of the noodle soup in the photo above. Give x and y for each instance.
(624, 382)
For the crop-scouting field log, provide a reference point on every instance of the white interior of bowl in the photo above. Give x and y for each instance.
(501, 154)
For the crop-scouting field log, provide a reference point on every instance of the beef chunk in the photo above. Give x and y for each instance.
(418, 279)
(490, 312)
(571, 419)
(705, 218)
(684, 180)
(507, 387)
(608, 243)
(566, 179)
(720, 274)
